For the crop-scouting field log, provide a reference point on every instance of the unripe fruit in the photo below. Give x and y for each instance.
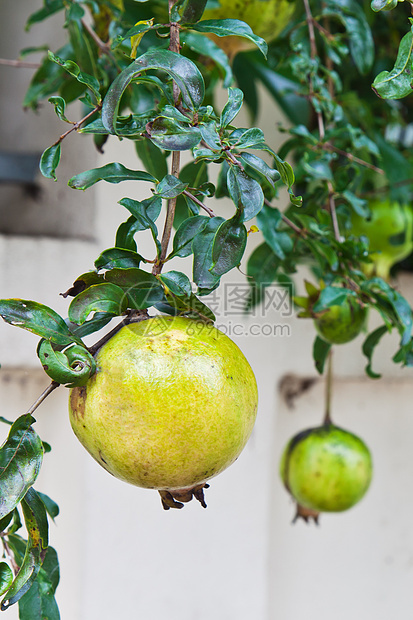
(390, 232)
(173, 403)
(341, 324)
(326, 469)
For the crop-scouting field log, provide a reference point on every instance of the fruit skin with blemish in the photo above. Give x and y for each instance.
(172, 404)
(326, 468)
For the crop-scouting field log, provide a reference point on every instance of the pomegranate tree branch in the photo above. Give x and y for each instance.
(330, 147)
(329, 386)
(50, 388)
(22, 64)
(174, 46)
(77, 125)
(290, 223)
(199, 203)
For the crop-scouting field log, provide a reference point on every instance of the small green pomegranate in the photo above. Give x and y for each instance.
(341, 324)
(390, 232)
(326, 469)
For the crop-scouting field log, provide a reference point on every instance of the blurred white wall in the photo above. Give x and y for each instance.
(121, 555)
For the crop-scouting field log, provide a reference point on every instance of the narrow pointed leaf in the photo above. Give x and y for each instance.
(111, 173)
(50, 160)
(230, 27)
(36, 318)
(35, 518)
(21, 457)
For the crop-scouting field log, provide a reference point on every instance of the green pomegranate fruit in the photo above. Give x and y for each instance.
(341, 324)
(326, 469)
(266, 18)
(390, 232)
(172, 403)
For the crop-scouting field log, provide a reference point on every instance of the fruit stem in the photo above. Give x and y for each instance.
(329, 389)
(174, 46)
(50, 388)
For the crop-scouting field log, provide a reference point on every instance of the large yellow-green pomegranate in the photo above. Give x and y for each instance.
(267, 18)
(172, 403)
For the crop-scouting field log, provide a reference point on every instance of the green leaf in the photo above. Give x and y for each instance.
(204, 46)
(51, 7)
(262, 270)
(170, 135)
(260, 166)
(177, 282)
(248, 138)
(229, 27)
(170, 187)
(36, 523)
(99, 320)
(84, 78)
(21, 457)
(59, 107)
(369, 345)
(52, 508)
(352, 16)
(245, 192)
(202, 248)
(111, 173)
(192, 11)
(117, 258)
(398, 82)
(268, 221)
(186, 233)
(183, 71)
(39, 601)
(232, 106)
(38, 319)
(152, 157)
(6, 577)
(321, 349)
(97, 298)
(71, 367)
(228, 246)
(50, 160)
(331, 296)
(143, 214)
(142, 288)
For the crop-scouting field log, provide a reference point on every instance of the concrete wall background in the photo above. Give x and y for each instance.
(121, 555)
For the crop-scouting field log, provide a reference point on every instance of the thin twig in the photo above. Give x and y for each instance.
(286, 220)
(77, 125)
(50, 388)
(22, 64)
(386, 188)
(174, 46)
(134, 316)
(333, 212)
(313, 51)
(9, 554)
(329, 388)
(311, 32)
(104, 47)
(330, 147)
(199, 203)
